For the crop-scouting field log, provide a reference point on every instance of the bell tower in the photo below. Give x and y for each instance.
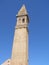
(22, 18)
(20, 42)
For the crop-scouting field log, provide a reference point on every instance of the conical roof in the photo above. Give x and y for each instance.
(22, 11)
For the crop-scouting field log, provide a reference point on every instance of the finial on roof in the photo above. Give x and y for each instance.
(22, 11)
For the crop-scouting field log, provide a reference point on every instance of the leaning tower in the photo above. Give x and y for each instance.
(20, 42)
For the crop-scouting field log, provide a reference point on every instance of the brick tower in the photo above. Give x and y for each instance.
(20, 42)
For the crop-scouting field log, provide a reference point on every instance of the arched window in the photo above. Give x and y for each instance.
(23, 20)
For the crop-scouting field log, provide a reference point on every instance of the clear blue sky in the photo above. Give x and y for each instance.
(38, 11)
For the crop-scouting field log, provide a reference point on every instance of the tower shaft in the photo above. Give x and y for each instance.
(20, 47)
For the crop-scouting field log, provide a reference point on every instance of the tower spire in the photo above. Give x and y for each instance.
(22, 11)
